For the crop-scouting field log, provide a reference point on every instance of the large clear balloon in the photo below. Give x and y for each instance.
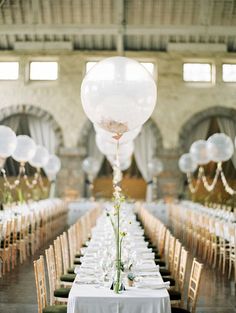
(111, 137)
(187, 164)
(40, 158)
(90, 166)
(200, 150)
(124, 165)
(107, 148)
(25, 148)
(118, 94)
(7, 141)
(52, 166)
(155, 166)
(221, 147)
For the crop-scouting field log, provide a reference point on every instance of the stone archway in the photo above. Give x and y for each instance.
(37, 112)
(199, 117)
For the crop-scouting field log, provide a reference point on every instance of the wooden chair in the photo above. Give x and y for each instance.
(14, 243)
(21, 240)
(64, 279)
(193, 289)
(232, 252)
(56, 292)
(39, 272)
(176, 294)
(224, 248)
(5, 249)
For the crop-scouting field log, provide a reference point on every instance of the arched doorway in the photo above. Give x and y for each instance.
(36, 123)
(201, 126)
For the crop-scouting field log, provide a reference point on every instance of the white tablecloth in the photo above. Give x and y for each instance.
(87, 297)
(90, 299)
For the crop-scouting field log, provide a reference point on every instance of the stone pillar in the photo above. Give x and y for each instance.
(169, 183)
(70, 180)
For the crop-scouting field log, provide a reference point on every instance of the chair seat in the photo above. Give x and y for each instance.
(68, 277)
(55, 309)
(170, 279)
(78, 255)
(174, 295)
(71, 270)
(62, 292)
(179, 310)
(77, 262)
(160, 262)
(164, 272)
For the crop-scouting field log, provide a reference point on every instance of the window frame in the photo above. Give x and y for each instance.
(9, 79)
(200, 83)
(227, 62)
(38, 60)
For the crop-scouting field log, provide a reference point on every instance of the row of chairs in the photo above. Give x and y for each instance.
(211, 239)
(25, 234)
(172, 258)
(61, 259)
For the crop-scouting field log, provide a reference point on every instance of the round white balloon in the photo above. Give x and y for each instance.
(124, 165)
(40, 158)
(52, 166)
(200, 150)
(25, 148)
(107, 148)
(118, 94)
(187, 164)
(221, 147)
(155, 166)
(90, 166)
(7, 141)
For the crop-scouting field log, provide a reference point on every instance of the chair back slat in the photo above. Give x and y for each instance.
(182, 269)
(39, 272)
(65, 252)
(194, 283)
(52, 276)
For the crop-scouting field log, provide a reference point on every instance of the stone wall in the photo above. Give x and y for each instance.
(177, 101)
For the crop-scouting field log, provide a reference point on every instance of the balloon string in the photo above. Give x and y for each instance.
(195, 188)
(209, 187)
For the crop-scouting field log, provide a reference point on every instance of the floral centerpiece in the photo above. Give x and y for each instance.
(118, 199)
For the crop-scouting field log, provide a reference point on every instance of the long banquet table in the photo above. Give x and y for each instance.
(90, 292)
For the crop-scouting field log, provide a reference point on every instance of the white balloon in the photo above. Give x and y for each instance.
(124, 165)
(7, 141)
(107, 148)
(187, 163)
(221, 147)
(110, 137)
(90, 166)
(200, 150)
(40, 158)
(155, 166)
(52, 166)
(118, 94)
(25, 148)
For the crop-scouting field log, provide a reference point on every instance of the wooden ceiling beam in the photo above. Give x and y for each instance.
(114, 29)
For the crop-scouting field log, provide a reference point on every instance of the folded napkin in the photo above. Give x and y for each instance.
(150, 284)
(147, 268)
(148, 273)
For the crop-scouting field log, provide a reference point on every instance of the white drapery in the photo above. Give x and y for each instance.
(92, 149)
(198, 132)
(228, 127)
(42, 133)
(144, 151)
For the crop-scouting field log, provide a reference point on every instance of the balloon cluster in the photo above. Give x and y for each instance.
(23, 149)
(118, 95)
(218, 148)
